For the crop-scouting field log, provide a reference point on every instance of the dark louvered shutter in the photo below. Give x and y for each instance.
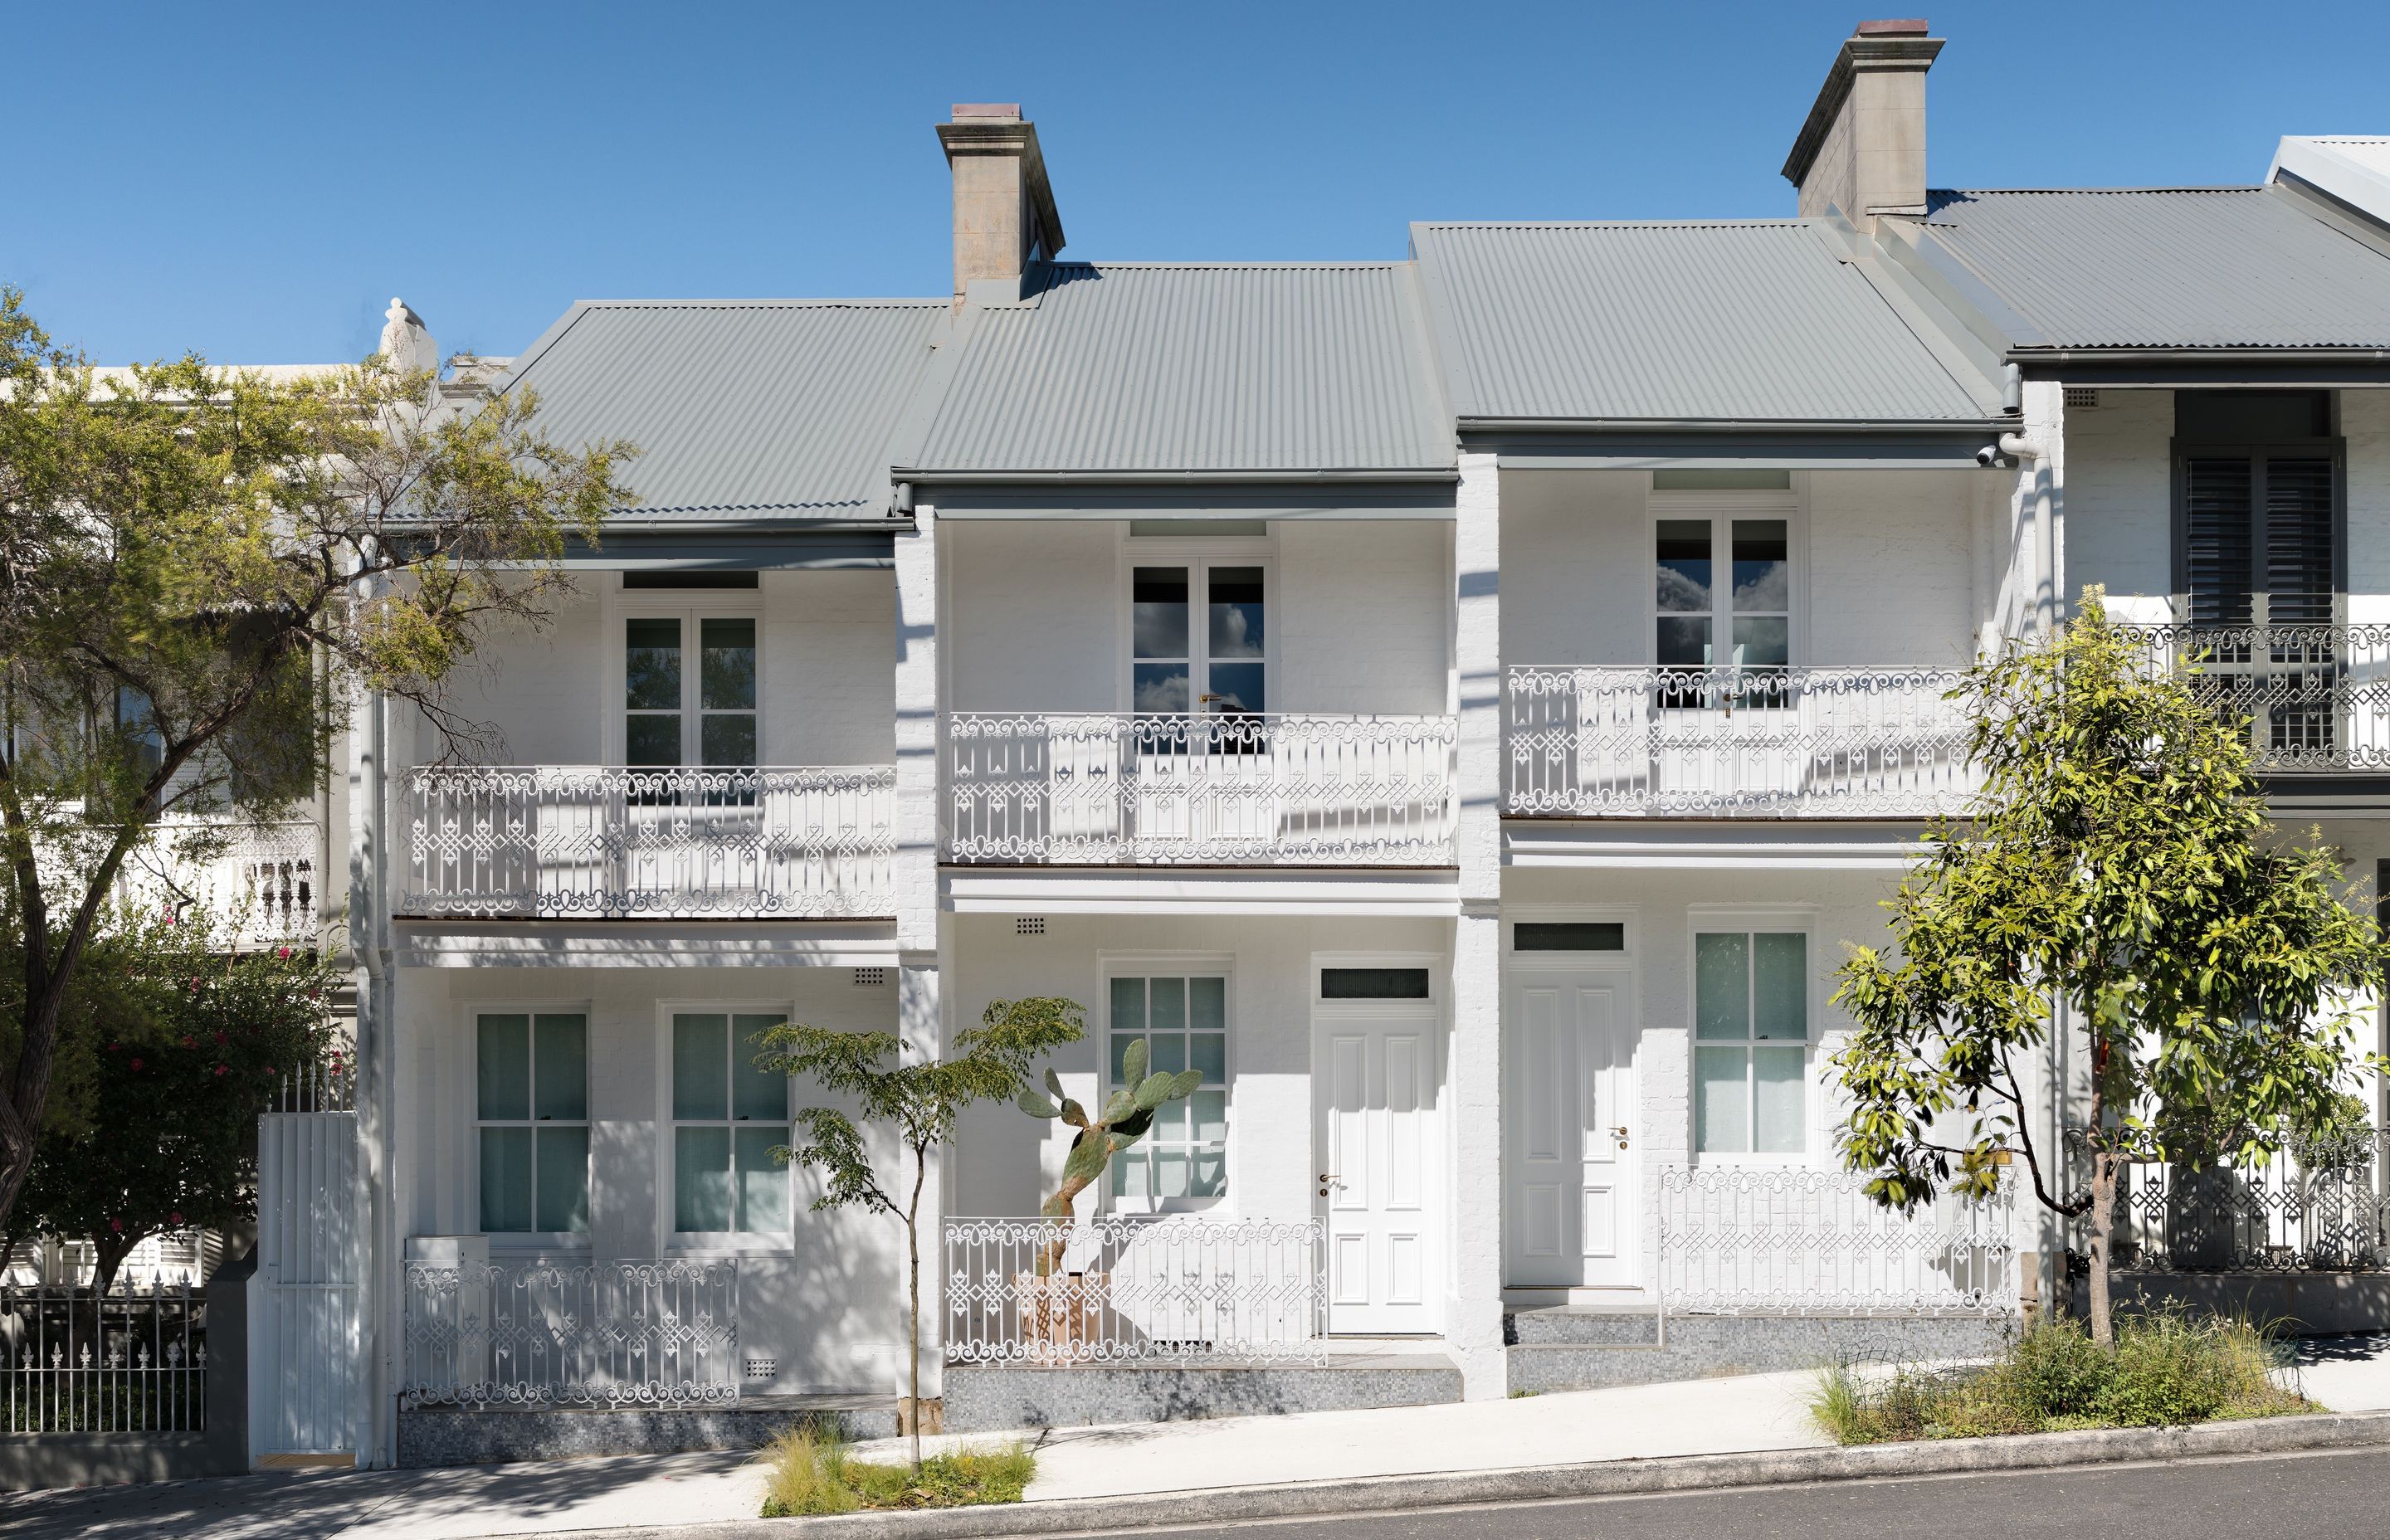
(2217, 533)
(2298, 541)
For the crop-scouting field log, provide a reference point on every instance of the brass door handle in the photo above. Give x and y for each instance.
(1619, 1133)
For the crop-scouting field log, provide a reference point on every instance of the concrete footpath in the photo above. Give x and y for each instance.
(1717, 1417)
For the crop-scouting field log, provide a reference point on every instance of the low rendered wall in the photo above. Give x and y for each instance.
(493, 1435)
(2305, 1303)
(30, 1462)
(986, 1397)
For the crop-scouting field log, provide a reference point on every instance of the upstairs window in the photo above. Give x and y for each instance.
(2257, 508)
(1723, 593)
(684, 710)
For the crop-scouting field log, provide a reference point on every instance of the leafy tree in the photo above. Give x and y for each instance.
(920, 1102)
(199, 569)
(2117, 859)
(187, 1046)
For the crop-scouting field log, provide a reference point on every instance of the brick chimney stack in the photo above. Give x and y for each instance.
(1862, 151)
(1004, 208)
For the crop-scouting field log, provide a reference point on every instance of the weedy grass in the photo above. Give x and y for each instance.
(811, 1472)
(2166, 1368)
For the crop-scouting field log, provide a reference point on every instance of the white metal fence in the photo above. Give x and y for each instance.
(133, 1360)
(605, 841)
(2326, 1214)
(625, 1333)
(2315, 697)
(259, 881)
(1607, 742)
(1096, 788)
(1115, 1288)
(1764, 1240)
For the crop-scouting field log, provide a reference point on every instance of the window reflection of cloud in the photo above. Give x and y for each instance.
(1681, 591)
(1770, 587)
(1161, 630)
(1167, 693)
(1236, 631)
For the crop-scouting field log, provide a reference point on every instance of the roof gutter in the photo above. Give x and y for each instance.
(1724, 427)
(1171, 478)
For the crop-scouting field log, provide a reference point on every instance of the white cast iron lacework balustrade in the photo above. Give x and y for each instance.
(1162, 789)
(1829, 742)
(1116, 1288)
(644, 1333)
(2316, 698)
(1786, 1240)
(258, 881)
(604, 842)
(2327, 1214)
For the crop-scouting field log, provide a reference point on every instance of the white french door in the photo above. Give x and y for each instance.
(1198, 684)
(1375, 1090)
(694, 807)
(1570, 1104)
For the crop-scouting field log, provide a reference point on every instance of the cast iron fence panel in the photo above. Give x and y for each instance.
(1793, 1240)
(2316, 698)
(610, 843)
(625, 1333)
(133, 1360)
(1127, 1288)
(1596, 741)
(2328, 1215)
(1148, 788)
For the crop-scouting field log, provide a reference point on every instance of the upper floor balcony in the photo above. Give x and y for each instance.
(1198, 788)
(610, 842)
(2315, 699)
(260, 884)
(1734, 742)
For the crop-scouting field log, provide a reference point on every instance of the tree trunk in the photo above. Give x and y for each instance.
(2102, 1218)
(913, 1328)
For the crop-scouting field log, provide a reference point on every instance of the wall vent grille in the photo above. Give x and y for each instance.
(870, 978)
(2082, 398)
(1029, 924)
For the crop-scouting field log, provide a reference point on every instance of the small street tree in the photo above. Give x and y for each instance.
(199, 569)
(919, 1102)
(2117, 860)
(179, 1050)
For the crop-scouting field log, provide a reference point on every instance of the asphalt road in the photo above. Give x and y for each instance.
(2334, 1497)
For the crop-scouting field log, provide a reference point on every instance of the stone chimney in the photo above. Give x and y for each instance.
(1004, 208)
(1863, 150)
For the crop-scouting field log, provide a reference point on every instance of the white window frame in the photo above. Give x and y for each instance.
(691, 608)
(668, 1161)
(1799, 920)
(1169, 965)
(1199, 555)
(472, 1100)
(1720, 509)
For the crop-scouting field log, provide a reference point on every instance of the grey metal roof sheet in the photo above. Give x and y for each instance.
(1251, 367)
(1711, 320)
(739, 406)
(2178, 267)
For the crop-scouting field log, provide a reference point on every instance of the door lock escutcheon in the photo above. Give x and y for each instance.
(1619, 1133)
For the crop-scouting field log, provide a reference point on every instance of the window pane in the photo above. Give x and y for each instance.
(562, 1201)
(652, 739)
(1210, 1176)
(1207, 1004)
(1170, 1122)
(1684, 578)
(506, 1179)
(1207, 1051)
(1684, 643)
(700, 1067)
(1373, 983)
(1721, 985)
(727, 670)
(1128, 1173)
(1236, 628)
(1779, 969)
(1128, 1006)
(1170, 1174)
(1169, 1054)
(1239, 687)
(762, 1094)
(1778, 1113)
(728, 738)
(763, 1181)
(1209, 1110)
(1721, 1109)
(1158, 612)
(1160, 688)
(561, 1064)
(1597, 935)
(1762, 641)
(502, 1067)
(651, 666)
(1762, 576)
(1169, 1005)
(702, 1199)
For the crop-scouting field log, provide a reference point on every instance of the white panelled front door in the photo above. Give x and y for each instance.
(1571, 1103)
(1375, 1086)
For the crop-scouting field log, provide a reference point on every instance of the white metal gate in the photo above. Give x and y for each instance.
(305, 1334)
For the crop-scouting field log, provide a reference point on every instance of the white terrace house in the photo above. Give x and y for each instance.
(1462, 705)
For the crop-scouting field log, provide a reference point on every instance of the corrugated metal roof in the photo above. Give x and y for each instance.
(1743, 320)
(2189, 267)
(1198, 368)
(739, 405)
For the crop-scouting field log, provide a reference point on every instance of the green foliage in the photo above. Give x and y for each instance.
(201, 570)
(1126, 1117)
(178, 1046)
(2117, 859)
(812, 1472)
(2164, 1370)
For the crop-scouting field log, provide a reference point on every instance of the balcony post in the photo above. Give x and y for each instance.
(921, 1012)
(1474, 1326)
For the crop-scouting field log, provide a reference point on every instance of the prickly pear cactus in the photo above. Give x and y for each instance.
(1124, 1120)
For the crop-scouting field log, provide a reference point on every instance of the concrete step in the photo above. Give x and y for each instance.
(986, 1397)
(1554, 1325)
(1703, 1347)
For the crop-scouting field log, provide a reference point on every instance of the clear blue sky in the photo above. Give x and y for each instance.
(255, 181)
